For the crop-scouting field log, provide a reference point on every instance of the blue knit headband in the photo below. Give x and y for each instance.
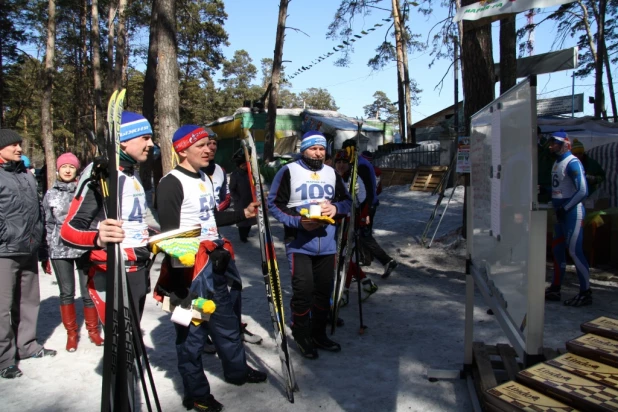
(312, 138)
(133, 125)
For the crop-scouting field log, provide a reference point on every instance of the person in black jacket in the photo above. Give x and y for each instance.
(240, 189)
(21, 237)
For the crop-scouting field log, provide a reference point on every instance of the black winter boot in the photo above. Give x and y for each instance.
(318, 331)
(301, 330)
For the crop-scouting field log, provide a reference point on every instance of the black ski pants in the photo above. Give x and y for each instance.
(369, 242)
(64, 269)
(312, 282)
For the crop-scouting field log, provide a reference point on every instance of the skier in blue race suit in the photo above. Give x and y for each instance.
(569, 189)
(310, 246)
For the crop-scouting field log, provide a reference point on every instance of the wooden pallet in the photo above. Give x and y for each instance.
(494, 365)
(394, 177)
(427, 178)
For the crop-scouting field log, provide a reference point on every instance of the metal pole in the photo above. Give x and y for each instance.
(456, 70)
(573, 96)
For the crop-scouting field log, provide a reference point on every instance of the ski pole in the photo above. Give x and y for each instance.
(442, 217)
(358, 281)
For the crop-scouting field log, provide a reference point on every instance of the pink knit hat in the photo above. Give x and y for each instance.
(67, 159)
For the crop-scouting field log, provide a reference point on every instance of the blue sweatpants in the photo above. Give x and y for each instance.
(570, 233)
(224, 330)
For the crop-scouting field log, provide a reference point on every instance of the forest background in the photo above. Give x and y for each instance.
(195, 61)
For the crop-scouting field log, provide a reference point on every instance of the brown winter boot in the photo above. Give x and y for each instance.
(91, 319)
(67, 312)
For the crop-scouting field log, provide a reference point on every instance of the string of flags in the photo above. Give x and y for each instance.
(337, 48)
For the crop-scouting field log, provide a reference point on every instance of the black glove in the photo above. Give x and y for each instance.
(182, 298)
(561, 213)
(220, 259)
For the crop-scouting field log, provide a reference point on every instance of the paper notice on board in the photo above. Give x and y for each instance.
(495, 207)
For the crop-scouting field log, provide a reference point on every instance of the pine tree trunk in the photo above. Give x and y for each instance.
(610, 85)
(400, 73)
(167, 80)
(148, 102)
(273, 97)
(109, 81)
(478, 67)
(121, 41)
(84, 101)
(599, 91)
(508, 54)
(48, 81)
(96, 73)
(411, 136)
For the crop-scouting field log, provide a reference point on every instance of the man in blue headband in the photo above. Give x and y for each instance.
(310, 246)
(569, 189)
(86, 227)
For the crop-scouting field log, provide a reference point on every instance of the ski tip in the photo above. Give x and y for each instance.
(362, 329)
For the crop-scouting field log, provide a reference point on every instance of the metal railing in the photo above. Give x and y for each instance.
(411, 157)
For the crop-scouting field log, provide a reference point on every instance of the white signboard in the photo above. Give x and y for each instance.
(490, 8)
(463, 155)
(560, 105)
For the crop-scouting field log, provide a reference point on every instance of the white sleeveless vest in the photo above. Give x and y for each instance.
(133, 211)
(562, 185)
(218, 179)
(308, 186)
(198, 204)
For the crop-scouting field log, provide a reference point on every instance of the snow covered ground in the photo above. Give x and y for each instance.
(415, 322)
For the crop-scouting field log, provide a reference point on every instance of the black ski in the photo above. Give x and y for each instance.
(121, 343)
(118, 358)
(344, 252)
(270, 269)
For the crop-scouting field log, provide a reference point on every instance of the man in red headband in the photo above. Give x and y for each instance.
(185, 198)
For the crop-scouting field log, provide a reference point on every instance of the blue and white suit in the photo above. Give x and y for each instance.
(569, 189)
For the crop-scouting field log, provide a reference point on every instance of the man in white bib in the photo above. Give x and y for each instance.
(310, 246)
(185, 198)
(569, 189)
(86, 226)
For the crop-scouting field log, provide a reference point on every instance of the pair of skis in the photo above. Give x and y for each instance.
(123, 336)
(344, 231)
(269, 267)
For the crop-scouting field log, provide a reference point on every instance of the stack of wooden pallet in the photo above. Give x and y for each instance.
(585, 378)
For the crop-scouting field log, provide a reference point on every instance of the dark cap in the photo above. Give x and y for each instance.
(367, 155)
(9, 137)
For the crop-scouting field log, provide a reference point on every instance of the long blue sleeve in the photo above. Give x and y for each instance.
(576, 172)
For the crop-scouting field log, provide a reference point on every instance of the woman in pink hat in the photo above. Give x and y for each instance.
(65, 259)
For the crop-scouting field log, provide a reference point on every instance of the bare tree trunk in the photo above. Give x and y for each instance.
(599, 92)
(167, 80)
(147, 169)
(610, 84)
(411, 136)
(84, 101)
(269, 143)
(121, 41)
(400, 73)
(150, 78)
(96, 71)
(478, 68)
(508, 54)
(48, 82)
(110, 82)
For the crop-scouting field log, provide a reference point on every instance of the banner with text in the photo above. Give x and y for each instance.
(490, 8)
